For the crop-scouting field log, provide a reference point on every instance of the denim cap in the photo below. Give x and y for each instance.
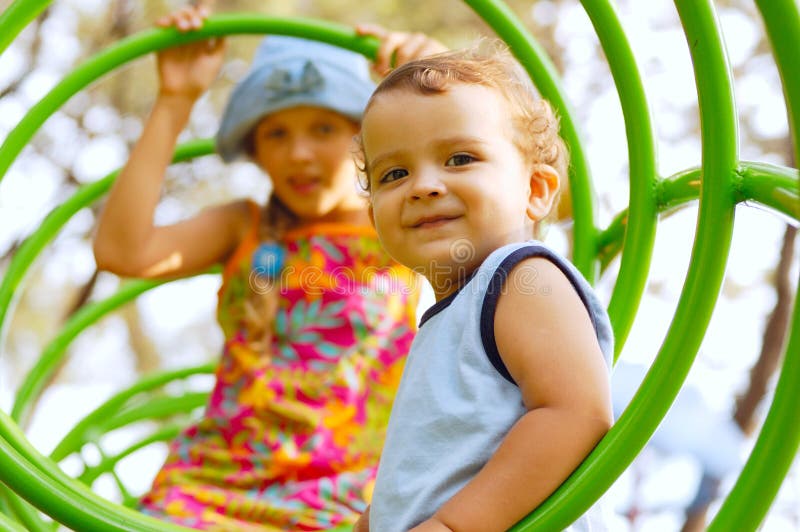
(287, 72)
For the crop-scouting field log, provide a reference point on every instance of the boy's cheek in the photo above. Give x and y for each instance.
(379, 212)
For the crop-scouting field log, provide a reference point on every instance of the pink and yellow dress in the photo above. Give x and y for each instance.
(293, 430)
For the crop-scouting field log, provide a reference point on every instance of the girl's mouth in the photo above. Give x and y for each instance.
(304, 186)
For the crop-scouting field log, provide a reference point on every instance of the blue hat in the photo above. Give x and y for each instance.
(288, 72)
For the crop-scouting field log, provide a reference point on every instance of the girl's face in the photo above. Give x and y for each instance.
(307, 152)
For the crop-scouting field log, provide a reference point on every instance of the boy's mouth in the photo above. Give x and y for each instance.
(432, 221)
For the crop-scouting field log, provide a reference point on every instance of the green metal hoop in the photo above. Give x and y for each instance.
(720, 184)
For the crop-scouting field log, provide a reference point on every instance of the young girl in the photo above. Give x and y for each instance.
(505, 390)
(317, 319)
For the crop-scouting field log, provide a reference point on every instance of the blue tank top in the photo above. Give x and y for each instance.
(457, 400)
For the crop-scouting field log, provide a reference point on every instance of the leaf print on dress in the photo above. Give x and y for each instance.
(301, 417)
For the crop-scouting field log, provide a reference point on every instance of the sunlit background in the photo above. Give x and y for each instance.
(174, 326)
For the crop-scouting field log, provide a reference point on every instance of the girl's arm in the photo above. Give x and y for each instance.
(127, 242)
(398, 47)
(547, 341)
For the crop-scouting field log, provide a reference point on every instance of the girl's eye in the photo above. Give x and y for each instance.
(393, 175)
(276, 133)
(324, 129)
(460, 159)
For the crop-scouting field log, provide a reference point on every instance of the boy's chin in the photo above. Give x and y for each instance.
(446, 270)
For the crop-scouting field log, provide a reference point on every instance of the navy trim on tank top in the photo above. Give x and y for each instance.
(442, 304)
(495, 289)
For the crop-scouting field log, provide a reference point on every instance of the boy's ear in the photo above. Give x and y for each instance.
(544, 183)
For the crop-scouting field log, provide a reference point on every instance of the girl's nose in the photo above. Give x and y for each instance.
(426, 185)
(301, 149)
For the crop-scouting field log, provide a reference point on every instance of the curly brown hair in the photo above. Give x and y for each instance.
(488, 63)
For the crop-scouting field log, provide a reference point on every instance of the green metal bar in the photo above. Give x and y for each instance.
(128, 500)
(83, 431)
(712, 242)
(14, 143)
(767, 185)
(50, 358)
(37, 377)
(640, 233)
(90, 474)
(8, 525)
(782, 23)
(41, 482)
(24, 512)
(58, 217)
(157, 39)
(126, 495)
(155, 408)
(779, 439)
(771, 186)
(774, 451)
(16, 16)
(508, 27)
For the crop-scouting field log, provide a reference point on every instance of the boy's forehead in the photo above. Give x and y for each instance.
(402, 115)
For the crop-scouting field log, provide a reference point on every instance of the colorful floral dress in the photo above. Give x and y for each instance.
(293, 430)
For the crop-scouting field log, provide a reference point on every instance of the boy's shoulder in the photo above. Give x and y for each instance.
(532, 269)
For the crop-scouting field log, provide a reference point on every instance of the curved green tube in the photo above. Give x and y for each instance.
(158, 407)
(774, 451)
(40, 481)
(86, 428)
(782, 23)
(92, 473)
(771, 186)
(662, 383)
(16, 16)
(50, 358)
(759, 184)
(508, 27)
(779, 439)
(58, 217)
(7, 525)
(24, 512)
(157, 39)
(48, 362)
(640, 233)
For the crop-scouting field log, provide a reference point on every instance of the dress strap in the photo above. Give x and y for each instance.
(246, 244)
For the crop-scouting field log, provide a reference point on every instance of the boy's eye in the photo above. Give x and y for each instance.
(459, 159)
(393, 175)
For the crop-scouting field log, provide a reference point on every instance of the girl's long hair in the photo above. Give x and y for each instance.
(262, 298)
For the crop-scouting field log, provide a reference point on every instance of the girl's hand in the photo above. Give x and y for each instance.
(400, 46)
(189, 70)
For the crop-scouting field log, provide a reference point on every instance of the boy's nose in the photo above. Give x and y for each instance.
(426, 185)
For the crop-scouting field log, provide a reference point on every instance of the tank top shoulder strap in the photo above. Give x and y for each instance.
(499, 269)
(246, 244)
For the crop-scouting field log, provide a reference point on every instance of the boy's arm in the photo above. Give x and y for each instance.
(362, 525)
(547, 341)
